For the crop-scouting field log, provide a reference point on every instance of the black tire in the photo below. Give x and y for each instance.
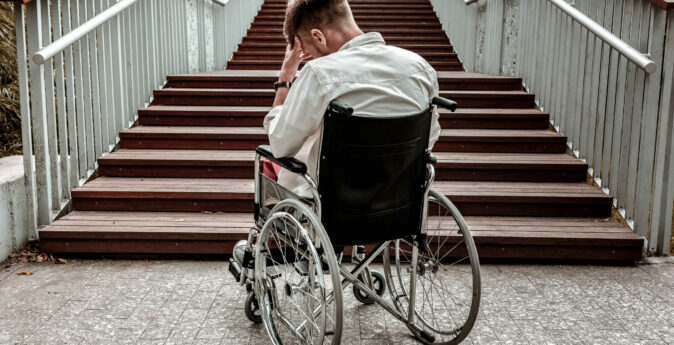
(378, 285)
(253, 312)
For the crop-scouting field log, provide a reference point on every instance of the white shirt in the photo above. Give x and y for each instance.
(373, 78)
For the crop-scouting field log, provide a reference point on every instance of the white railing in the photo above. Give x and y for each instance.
(604, 72)
(86, 67)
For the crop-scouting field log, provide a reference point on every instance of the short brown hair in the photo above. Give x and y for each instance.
(303, 15)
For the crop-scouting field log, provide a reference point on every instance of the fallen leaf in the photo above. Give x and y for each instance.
(25, 273)
(61, 261)
(147, 262)
(39, 258)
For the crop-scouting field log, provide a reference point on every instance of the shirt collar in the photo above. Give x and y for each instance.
(368, 38)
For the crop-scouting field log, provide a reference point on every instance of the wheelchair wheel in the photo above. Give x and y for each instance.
(447, 284)
(295, 272)
(377, 283)
(253, 308)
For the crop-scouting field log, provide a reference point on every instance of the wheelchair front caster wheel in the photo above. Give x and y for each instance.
(378, 286)
(253, 312)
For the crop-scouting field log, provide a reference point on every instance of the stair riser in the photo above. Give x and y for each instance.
(187, 144)
(430, 33)
(541, 209)
(365, 25)
(268, 56)
(494, 123)
(237, 83)
(390, 40)
(442, 173)
(201, 121)
(177, 171)
(362, 12)
(176, 205)
(276, 65)
(256, 121)
(274, 47)
(464, 100)
(155, 246)
(251, 144)
(501, 147)
(177, 248)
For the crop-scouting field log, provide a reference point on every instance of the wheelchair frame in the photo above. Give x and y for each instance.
(243, 268)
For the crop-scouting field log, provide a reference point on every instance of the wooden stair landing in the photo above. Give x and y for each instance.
(216, 233)
(181, 183)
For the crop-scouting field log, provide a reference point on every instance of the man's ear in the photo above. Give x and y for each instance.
(318, 37)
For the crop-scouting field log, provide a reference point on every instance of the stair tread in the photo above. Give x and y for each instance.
(463, 134)
(460, 112)
(246, 157)
(208, 188)
(274, 74)
(111, 224)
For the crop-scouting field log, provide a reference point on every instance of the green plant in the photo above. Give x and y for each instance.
(10, 110)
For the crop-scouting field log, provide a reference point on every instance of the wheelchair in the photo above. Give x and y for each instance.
(373, 201)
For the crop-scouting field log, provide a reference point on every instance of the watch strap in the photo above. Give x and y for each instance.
(279, 84)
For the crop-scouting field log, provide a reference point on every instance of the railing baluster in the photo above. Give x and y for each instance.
(39, 117)
(59, 78)
(26, 128)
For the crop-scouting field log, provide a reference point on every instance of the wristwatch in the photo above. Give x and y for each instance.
(282, 84)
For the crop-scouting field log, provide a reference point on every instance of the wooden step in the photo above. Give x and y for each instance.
(475, 118)
(210, 116)
(365, 6)
(239, 164)
(263, 79)
(281, 46)
(500, 141)
(97, 232)
(369, 11)
(248, 138)
(279, 55)
(145, 233)
(265, 97)
(384, 31)
(366, 25)
(394, 40)
(236, 195)
(203, 116)
(236, 64)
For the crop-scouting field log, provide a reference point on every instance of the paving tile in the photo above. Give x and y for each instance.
(197, 302)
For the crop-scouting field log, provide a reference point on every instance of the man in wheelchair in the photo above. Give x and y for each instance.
(351, 137)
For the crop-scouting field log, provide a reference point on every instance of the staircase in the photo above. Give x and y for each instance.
(182, 181)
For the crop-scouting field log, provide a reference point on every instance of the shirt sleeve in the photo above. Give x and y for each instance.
(435, 118)
(290, 125)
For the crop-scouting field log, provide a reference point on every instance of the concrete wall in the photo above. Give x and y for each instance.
(15, 229)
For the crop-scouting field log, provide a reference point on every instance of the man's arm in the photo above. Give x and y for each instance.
(298, 111)
(291, 62)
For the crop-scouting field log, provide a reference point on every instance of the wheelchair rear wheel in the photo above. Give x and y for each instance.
(295, 272)
(447, 285)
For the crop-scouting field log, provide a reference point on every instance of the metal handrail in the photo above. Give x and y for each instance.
(46, 53)
(639, 59)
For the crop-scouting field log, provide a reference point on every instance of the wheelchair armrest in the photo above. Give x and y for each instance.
(288, 163)
(431, 158)
(445, 103)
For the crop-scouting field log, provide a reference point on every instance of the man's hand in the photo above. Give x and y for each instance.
(292, 61)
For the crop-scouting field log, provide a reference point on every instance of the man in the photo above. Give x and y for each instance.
(358, 69)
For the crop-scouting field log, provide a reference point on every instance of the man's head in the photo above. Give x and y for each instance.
(322, 26)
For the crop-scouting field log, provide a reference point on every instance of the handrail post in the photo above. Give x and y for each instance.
(26, 130)
(39, 116)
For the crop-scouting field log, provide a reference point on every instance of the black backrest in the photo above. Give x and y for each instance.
(372, 172)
